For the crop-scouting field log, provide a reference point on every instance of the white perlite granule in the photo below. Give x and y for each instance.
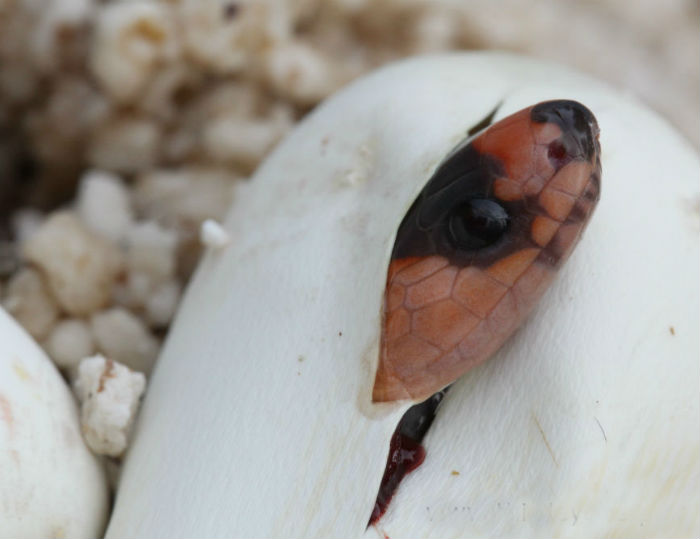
(131, 40)
(80, 267)
(70, 341)
(109, 394)
(213, 235)
(242, 142)
(27, 299)
(161, 304)
(126, 144)
(300, 73)
(104, 204)
(25, 222)
(122, 336)
(184, 198)
(150, 250)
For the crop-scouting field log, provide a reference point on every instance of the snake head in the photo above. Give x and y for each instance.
(481, 243)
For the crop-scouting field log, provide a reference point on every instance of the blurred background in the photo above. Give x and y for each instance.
(140, 116)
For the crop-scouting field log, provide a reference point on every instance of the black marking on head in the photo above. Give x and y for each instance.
(592, 192)
(465, 176)
(579, 212)
(578, 125)
(549, 256)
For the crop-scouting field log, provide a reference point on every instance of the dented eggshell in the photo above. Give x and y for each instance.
(50, 483)
(259, 419)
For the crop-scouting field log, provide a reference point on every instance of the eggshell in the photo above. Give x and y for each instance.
(50, 483)
(259, 420)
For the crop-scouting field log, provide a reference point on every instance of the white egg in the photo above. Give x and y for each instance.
(50, 483)
(259, 420)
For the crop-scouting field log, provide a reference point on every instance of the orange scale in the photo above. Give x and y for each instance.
(478, 345)
(512, 143)
(443, 324)
(387, 385)
(507, 190)
(534, 186)
(528, 287)
(505, 316)
(400, 264)
(446, 368)
(556, 204)
(408, 355)
(478, 292)
(572, 178)
(543, 229)
(565, 239)
(508, 269)
(395, 296)
(518, 162)
(420, 270)
(545, 132)
(436, 287)
(398, 323)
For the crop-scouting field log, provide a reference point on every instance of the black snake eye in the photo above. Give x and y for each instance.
(477, 223)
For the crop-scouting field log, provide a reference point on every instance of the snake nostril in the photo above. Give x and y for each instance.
(560, 152)
(557, 151)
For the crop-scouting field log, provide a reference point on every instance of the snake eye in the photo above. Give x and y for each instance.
(477, 223)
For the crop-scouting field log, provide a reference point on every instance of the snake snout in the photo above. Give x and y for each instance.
(579, 128)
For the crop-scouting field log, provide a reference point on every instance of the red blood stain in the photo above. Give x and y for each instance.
(405, 455)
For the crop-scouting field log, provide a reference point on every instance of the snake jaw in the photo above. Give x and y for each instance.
(446, 308)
